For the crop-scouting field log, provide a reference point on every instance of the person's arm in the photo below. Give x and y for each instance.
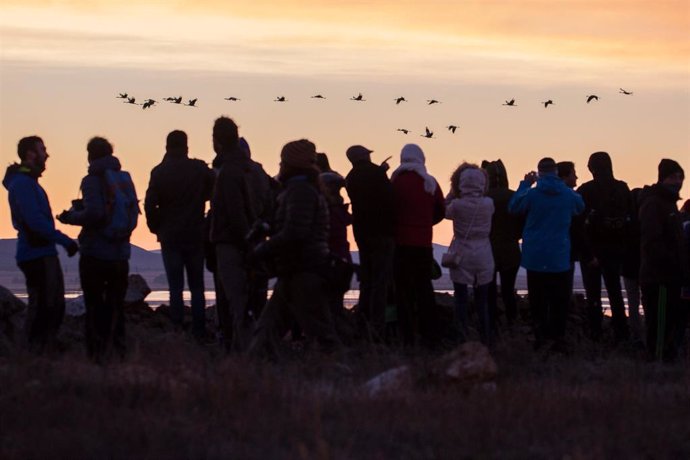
(519, 203)
(151, 205)
(28, 199)
(93, 199)
(439, 205)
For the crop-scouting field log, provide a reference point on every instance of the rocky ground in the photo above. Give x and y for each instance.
(174, 398)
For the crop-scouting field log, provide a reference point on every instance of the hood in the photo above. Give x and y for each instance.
(496, 171)
(12, 172)
(551, 184)
(99, 165)
(472, 182)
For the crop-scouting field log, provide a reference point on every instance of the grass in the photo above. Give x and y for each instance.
(174, 399)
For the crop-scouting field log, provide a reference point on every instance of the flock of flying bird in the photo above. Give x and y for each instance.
(359, 98)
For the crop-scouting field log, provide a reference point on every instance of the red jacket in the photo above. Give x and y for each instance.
(416, 210)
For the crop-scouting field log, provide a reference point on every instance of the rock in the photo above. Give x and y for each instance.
(137, 289)
(12, 312)
(392, 381)
(471, 362)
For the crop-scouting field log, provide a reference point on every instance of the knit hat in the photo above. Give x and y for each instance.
(547, 166)
(668, 167)
(299, 154)
(357, 153)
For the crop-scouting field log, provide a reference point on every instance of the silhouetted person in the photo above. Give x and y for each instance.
(371, 195)
(506, 231)
(298, 245)
(36, 254)
(471, 210)
(631, 269)
(419, 205)
(175, 202)
(607, 222)
(663, 264)
(242, 196)
(104, 240)
(548, 208)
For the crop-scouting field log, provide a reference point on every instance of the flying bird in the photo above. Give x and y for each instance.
(318, 96)
(404, 131)
(627, 93)
(171, 99)
(428, 134)
(122, 96)
(452, 128)
(280, 99)
(432, 101)
(191, 103)
(231, 98)
(131, 100)
(510, 103)
(358, 98)
(547, 103)
(592, 97)
(148, 103)
(400, 99)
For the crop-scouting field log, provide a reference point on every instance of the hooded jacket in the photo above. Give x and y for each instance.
(31, 215)
(416, 210)
(606, 198)
(506, 228)
(176, 198)
(662, 246)
(92, 218)
(471, 215)
(549, 208)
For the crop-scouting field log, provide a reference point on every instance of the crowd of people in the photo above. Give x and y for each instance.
(293, 227)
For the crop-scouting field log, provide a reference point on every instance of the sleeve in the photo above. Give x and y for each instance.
(36, 222)
(151, 205)
(519, 202)
(439, 205)
(93, 198)
(579, 204)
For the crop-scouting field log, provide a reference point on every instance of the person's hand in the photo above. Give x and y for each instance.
(72, 249)
(385, 166)
(531, 177)
(63, 216)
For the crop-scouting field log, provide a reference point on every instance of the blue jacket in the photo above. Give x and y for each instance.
(92, 218)
(31, 216)
(549, 208)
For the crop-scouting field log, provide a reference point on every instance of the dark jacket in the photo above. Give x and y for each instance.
(176, 199)
(31, 215)
(662, 246)
(299, 241)
(371, 195)
(93, 216)
(608, 205)
(242, 195)
(340, 218)
(506, 228)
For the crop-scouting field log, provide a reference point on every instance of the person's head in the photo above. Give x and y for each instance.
(599, 165)
(469, 178)
(671, 175)
(32, 153)
(547, 167)
(176, 144)
(332, 183)
(412, 153)
(225, 136)
(98, 147)
(298, 158)
(566, 171)
(358, 153)
(322, 163)
(455, 177)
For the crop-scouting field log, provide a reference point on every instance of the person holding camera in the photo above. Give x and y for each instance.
(548, 209)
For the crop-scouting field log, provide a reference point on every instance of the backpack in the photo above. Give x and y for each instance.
(121, 205)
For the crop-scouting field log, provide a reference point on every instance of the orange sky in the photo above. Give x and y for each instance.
(62, 63)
